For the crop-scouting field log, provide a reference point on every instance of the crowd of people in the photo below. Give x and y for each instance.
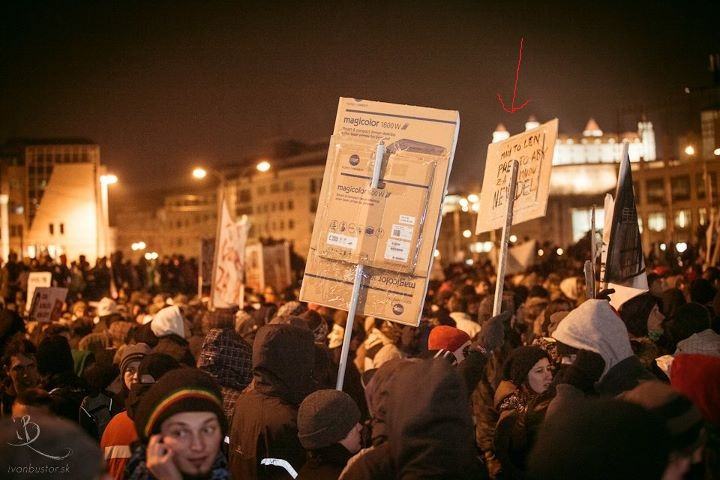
(140, 380)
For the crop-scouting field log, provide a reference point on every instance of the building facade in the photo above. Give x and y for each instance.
(280, 205)
(674, 198)
(51, 199)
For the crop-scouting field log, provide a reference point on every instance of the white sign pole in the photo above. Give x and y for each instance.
(502, 257)
(593, 255)
(357, 282)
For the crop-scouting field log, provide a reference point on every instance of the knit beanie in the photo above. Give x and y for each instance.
(444, 337)
(178, 391)
(682, 419)
(599, 440)
(698, 377)
(325, 417)
(54, 356)
(520, 362)
(133, 353)
(168, 321)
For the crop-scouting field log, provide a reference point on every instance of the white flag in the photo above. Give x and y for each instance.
(229, 264)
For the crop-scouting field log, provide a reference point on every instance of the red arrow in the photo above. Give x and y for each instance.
(513, 108)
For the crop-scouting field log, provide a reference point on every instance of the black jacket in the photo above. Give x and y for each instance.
(264, 423)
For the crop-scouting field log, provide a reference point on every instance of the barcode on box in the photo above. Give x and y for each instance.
(402, 232)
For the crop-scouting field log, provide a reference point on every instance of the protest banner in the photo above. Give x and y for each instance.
(47, 304)
(373, 240)
(268, 266)
(229, 265)
(35, 280)
(533, 150)
(624, 261)
(516, 186)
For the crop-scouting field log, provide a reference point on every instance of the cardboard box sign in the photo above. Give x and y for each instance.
(379, 227)
(392, 229)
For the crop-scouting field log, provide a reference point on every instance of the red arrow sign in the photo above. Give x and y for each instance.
(513, 108)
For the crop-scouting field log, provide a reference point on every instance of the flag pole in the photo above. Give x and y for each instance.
(505, 239)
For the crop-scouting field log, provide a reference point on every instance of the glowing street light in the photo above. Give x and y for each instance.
(467, 233)
(717, 152)
(138, 246)
(559, 251)
(690, 150)
(199, 173)
(263, 166)
(681, 247)
(108, 179)
(473, 198)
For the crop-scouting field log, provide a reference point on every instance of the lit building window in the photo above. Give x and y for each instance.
(683, 219)
(702, 216)
(680, 187)
(657, 222)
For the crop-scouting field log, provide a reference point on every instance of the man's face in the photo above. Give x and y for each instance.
(23, 372)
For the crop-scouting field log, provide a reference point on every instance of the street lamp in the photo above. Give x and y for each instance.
(138, 246)
(717, 152)
(199, 173)
(108, 179)
(263, 166)
(690, 150)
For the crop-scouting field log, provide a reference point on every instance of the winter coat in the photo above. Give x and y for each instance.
(119, 435)
(624, 376)
(264, 423)
(430, 430)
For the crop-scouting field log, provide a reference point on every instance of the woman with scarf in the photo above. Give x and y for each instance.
(527, 373)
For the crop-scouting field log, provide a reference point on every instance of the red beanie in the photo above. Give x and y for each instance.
(444, 337)
(698, 378)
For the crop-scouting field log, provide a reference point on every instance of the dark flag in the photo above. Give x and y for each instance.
(625, 264)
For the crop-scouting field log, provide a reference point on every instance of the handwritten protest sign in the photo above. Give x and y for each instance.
(47, 304)
(534, 151)
(36, 280)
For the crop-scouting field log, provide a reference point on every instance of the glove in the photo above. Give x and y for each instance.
(605, 294)
(584, 372)
(492, 334)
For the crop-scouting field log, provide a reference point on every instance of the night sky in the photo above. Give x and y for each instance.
(164, 85)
